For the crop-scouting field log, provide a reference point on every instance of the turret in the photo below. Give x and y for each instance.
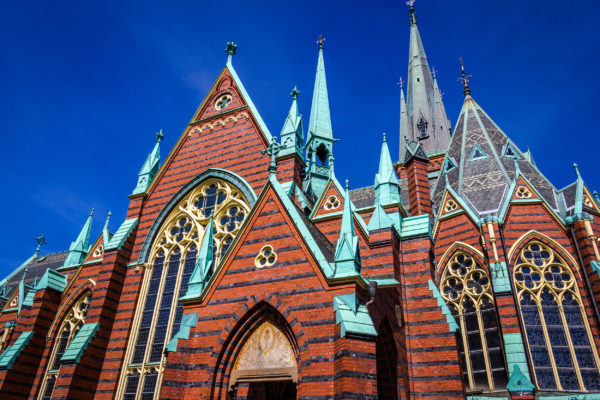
(386, 181)
(347, 253)
(150, 167)
(80, 247)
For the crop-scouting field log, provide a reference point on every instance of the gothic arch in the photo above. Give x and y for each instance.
(216, 173)
(67, 304)
(387, 362)
(532, 235)
(453, 249)
(242, 325)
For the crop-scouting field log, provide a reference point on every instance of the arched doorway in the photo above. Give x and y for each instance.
(387, 363)
(266, 367)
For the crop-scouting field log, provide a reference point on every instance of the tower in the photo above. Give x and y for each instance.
(424, 119)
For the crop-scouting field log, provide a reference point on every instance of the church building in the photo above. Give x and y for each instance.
(245, 269)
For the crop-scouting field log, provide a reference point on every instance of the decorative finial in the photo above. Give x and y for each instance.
(321, 41)
(347, 184)
(433, 72)
(40, 241)
(159, 135)
(231, 48)
(384, 137)
(576, 169)
(92, 212)
(295, 93)
(464, 80)
(273, 149)
(412, 18)
(401, 83)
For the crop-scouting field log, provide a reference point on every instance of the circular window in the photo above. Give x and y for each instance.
(222, 102)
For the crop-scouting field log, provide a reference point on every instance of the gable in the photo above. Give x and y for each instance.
(588, 200)
(270, 254)
(223, 97)
(524, 191)
(331, 201)
(96, 252)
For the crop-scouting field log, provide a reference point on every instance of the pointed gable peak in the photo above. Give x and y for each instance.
(386, 181)
(347, 255)
(150, 166)
(292, 133)
(320, 119)
(386, 167)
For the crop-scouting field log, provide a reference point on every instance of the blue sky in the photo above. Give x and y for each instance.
(85, 86)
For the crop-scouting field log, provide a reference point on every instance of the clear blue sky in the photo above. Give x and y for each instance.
(85, 86)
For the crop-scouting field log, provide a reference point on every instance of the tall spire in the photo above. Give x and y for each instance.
(386, 181)
(150, 166)
(425, 125)
(441, 122)
(319, 143)
(292, 133)
(80, 247)
(204, 263)
(405, 132)
(347, 254)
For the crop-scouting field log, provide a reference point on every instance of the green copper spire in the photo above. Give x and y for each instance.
(106, 236)
(386, 181)
(150, 167)
(319, 143)
(347, 253)
(21, 292)
(405, 132)
(204, 264)
(578, 191)
(80, 247)
(292, 133)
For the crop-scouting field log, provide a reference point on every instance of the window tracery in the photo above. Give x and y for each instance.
(67, 331)
(172, 261)
(332, 203)
(466, 287)
(555, 322)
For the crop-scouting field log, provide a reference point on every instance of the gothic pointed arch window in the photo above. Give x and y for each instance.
(66, 333)
(466, 287)
(555, 322)
(171, 262)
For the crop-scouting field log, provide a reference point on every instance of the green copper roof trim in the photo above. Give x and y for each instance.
(13, 351)
(385, 282)
(379, 219)
(80, 247)
(149, 168)
(246, 96)
(568, 396)
(516, 359)
(188, 321)
(202, 271)
(52, 280)
(80, 342)
(463, 204)
(442, 304)
(595, 266)
(477, 153)
(325, 266)
(217, 173)
(28, 299)
(578, 192)
(121, 235)
(353, 316)
(416, 226)
(465, 112)
(518, 382)
(106, 234)
(320, 119)
(347, 250)
(500, 281)
(478, 397)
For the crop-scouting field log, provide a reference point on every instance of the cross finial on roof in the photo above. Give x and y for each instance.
(231, 48)
(321, 41)
(464, 80)
(294, 93)
(273, 150)
(40, 241)
(413, 16)
(433, 71)
(401, 83)
(159, 135)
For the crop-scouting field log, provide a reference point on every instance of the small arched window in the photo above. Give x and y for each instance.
(467, 290)
(67, 331)
(556, 326)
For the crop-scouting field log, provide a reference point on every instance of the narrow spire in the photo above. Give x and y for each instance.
(105, 231)
(21, 292)
(230, 49)
(40, 241)
(150, 166)
(79, 248)
(347, 254)
(320, 119)
(292, 133)
(204, 263)
(441, 121)
(404, 123)
(464, 79)
(386, 181)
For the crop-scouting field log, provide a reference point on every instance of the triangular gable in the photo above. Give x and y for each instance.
(524, 191)
(449, 165)
(331, 200)
(296, 239)
(96, 252)
(588, 200)
(13, 301)
(452, 204)
(449, 205)
(227, 82)
(510, 151)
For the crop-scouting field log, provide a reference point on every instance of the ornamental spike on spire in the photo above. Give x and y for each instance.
(292, 133)
(320, 119)
(404, 122)
(230, 49)
(150, 166)
(80, 247)
(347, 254)
(464, 79)
(386, 181)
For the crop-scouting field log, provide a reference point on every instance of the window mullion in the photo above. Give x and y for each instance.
(467, 356)
(484, 345)
(548, 343)
(570, 343)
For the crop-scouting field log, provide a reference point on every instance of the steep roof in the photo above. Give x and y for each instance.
(487, 162)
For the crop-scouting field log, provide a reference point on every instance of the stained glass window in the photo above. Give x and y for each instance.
(172, 261)
(66, 333)
(555, 322)
(466, 288)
